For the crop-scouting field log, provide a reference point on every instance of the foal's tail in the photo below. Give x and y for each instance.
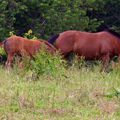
(2, 43)
(53, 39)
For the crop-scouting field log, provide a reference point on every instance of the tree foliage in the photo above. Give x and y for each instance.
(48, 17)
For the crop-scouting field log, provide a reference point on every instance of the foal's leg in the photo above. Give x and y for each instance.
(25, 56)
(9, 61)
(105, 62)
(19, 62)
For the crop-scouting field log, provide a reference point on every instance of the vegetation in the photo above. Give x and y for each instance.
(47, 89)
(79, 94)
(48, 17)
(45, 63)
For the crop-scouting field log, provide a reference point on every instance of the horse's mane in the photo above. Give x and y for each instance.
(53, 38)
(113, 32)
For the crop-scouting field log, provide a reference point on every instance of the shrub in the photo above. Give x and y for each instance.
(45, 63)
(30, 35)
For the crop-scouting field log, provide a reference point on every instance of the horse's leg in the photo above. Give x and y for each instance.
(105, 62)
(19, 62)
(21, 65)
(69, 57)
(9, 61)
(119, 59)
(25, 56)
(118, 63)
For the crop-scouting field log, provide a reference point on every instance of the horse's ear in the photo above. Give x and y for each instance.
(2, 43)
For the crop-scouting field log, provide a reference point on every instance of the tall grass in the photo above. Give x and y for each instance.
(81, 93)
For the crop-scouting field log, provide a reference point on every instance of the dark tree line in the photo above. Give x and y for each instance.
(48, 17)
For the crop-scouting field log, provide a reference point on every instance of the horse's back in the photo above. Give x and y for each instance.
(74, 40)
(81, 35)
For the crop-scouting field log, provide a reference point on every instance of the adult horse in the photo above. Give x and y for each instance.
(92, 46)
(16, 45)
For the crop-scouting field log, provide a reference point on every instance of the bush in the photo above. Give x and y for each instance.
(30, 35)
(45, 63)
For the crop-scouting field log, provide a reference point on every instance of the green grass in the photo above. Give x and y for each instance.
(79, 94)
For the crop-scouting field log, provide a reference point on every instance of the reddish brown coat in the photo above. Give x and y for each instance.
(101, 45)
(16, 45)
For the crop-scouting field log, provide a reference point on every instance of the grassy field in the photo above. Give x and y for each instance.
(79, 94)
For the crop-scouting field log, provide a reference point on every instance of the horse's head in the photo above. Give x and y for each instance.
(49, 47)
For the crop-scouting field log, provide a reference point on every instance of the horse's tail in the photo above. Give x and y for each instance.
(53, 38)
(2, 43)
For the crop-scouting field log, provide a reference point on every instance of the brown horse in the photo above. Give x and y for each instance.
(93, 46)
(16, 45)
